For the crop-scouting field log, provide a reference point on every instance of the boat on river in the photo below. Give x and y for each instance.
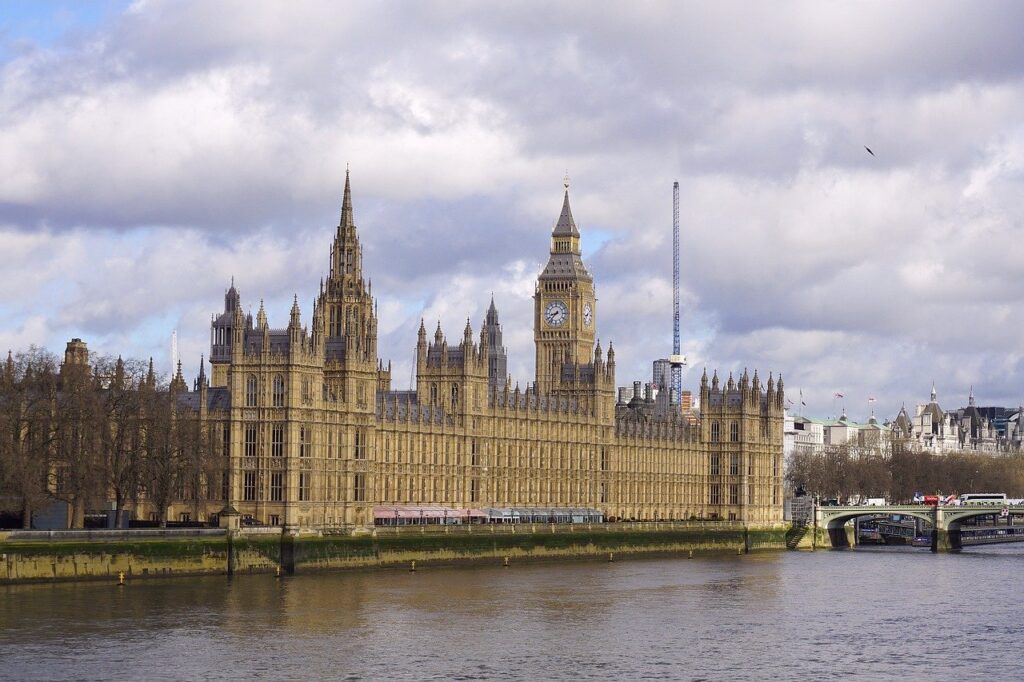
(921, 541)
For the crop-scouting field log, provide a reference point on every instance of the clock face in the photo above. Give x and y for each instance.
(588, 314)
(556, 313)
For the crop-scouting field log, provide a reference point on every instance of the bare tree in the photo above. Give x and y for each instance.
(122, 433)
(28, 389)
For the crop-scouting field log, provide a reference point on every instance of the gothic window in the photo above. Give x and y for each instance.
(734, 464)
(715, 464)
(474, 490)
(307, 394)
(304, 477)
(276, 486)
(714, 432)
(715, 494)
(277, 440)
(360, 444)
(249, 486)
(305, 445)
(455, 396)
(734, 493)
(359, 488)
(250, 440)
(227, 439)
(279, 391)
(734, 432)
(250, 391)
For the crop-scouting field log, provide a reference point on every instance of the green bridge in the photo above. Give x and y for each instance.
(946, 521)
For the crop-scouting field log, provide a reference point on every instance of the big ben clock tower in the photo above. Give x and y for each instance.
(565, 310)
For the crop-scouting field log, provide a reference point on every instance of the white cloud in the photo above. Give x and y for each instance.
(144, 163)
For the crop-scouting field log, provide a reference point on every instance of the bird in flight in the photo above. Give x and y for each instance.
(869, 150)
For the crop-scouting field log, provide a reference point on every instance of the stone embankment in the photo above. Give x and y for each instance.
(33, 556)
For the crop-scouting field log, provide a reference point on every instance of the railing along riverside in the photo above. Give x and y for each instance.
(114, 533)
(515, 528)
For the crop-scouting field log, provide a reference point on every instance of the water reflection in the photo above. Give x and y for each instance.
(869, 613)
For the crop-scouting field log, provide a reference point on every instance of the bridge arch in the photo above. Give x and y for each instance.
(954, 516)
(834, 519)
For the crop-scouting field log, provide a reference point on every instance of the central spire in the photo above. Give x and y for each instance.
(346, 204)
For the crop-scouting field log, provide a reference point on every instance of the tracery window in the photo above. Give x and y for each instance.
(278, 391)
(250, 391)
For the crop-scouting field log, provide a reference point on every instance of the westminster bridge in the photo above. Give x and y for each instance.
(946, 521)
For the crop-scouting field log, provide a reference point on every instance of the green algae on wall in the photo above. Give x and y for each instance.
(49, 560)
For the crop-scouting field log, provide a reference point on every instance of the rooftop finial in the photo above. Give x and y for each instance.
(565, 180)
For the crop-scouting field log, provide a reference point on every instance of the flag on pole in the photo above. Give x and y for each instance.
(838, 395)
(871, 399)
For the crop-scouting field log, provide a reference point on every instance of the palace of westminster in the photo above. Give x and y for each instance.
(316, 437)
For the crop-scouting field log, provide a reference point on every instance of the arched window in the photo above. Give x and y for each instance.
(279, 391)
(455, 396)
(250, 391)
(734, 432)
(714, 432)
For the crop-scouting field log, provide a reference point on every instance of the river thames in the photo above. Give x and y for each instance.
(885, 613)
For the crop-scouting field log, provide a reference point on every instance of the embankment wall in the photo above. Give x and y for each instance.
(56, 558)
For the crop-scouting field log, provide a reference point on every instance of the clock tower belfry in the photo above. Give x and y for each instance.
(565, 309)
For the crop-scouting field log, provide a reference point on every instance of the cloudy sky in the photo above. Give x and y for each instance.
(150, 151)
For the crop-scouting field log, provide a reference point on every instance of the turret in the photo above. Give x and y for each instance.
(9, 369)
(421, 344)
(232, 301)
(295, 326)
(118, 381)
(261, 317)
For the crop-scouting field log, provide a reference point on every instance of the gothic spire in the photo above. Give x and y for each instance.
(492, 312)
(346, 205)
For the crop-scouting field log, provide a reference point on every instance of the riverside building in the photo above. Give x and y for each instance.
(314, 436)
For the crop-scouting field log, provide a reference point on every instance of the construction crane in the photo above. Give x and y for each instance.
(677, 361)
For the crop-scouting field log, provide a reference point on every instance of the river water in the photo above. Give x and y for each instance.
(885, 613)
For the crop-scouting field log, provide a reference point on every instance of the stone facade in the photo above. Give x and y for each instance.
(315, 437)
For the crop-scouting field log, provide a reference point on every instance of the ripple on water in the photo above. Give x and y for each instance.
(823, 615)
